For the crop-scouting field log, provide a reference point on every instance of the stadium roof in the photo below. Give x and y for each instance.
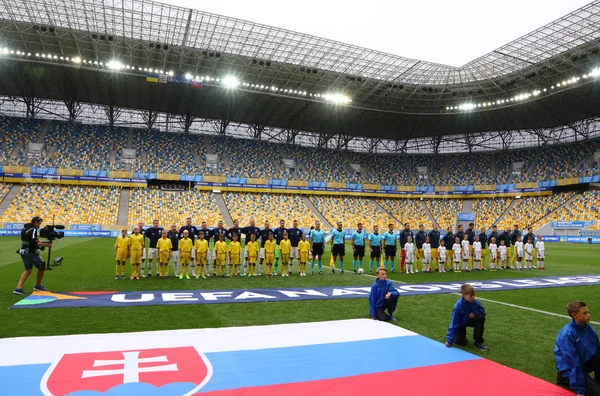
(392, 96)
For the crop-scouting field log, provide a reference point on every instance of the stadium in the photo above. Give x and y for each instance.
(122, 115)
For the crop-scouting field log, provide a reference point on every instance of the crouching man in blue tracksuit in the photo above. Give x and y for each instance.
(467, 312)
(576, 352)
(384, 296)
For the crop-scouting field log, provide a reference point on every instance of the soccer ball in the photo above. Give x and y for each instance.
(361, 271)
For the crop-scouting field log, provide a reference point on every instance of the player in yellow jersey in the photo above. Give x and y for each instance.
(136, 246)
(304, 249)
(286, 247)
(221, 254)
(252, 249)
(270, 247)
(235, 250)
(121, 253)
(185, 255)
(201, 249)
(164, 246)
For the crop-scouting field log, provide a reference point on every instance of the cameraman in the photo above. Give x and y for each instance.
(30, 255)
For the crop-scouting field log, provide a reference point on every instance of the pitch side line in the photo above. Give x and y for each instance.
(527, 308)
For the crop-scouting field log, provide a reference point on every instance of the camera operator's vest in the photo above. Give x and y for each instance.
(26, 239)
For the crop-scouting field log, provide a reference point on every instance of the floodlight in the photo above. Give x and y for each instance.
(114, 65)
(37, 54)
(95, 62)
(170, 73)
(55, 57)
(231, 82)
(337, 98)
(11, 51)
(29, 54)
(43, 55)
(18, 52)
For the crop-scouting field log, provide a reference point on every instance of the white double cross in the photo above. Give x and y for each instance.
(131, 367)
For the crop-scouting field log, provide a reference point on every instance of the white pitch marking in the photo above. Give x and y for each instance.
(527, 308)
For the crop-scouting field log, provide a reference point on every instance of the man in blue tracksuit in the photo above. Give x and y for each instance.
(577, 352)
(384, 296)
(467, 312)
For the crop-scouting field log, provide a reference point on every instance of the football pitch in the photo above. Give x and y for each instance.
(520, 329)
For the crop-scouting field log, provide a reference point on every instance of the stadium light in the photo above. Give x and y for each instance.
(114, 65)
(337, 98)
(231, 82)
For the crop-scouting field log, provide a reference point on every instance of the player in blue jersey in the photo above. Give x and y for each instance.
(375, 244)
(358, 245)
(389, 247)
(317, 247)
(295, 235)
(337, 247)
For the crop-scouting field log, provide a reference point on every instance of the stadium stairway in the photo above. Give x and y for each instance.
(16, 150)
(379, 207)
(319, 215)
(198, 161)
(226, 216)
(503, 214)
(445, 167)
(493, 166)
(123, 207)
(531, 167)
(40, 139)
(467, 205)
(208, 147)
(573, 198)
(45, 128)
(5, 204)
(408, 168)
(130, 138)
(429, 214)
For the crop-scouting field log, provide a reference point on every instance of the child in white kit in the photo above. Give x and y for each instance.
(503, 251)
(409, 248)
(541, 252)
(442, 256)
(529, 254)
(477, 253)
(457, 251)
(519, 248)
(426, 256)
(493, 254)
(466, 252)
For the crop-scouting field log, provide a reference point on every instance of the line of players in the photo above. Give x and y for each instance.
(449, 251)
(187, 248)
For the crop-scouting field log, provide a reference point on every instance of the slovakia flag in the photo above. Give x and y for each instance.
(349, 357)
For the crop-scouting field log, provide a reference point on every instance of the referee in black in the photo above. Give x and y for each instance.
(31, 256)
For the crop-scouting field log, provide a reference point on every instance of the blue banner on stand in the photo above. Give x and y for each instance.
(278, 182)
(466, 216)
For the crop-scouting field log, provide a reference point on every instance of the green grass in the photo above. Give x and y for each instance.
(518, 338)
